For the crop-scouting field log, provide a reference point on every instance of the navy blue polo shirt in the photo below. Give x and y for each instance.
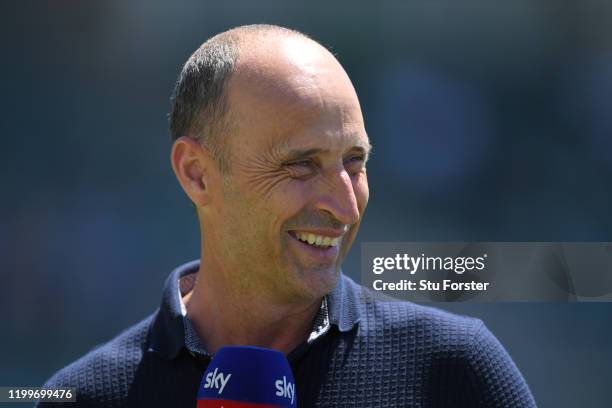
(363, 351)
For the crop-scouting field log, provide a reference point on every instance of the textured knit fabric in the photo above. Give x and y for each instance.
(376, 353)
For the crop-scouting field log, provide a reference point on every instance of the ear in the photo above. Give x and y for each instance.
(192, 164)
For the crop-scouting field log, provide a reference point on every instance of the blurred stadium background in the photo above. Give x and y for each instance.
(490, 122)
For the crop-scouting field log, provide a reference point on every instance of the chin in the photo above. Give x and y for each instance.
(315, 284)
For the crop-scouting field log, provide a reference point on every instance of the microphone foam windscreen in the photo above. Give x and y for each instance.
(246, 376)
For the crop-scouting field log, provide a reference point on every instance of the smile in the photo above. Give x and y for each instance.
(322, 247)
(320, 241)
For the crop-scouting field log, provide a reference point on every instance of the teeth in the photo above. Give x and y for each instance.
(318, 240)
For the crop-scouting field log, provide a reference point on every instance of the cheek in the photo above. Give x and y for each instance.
(270, 211)
(288, 200)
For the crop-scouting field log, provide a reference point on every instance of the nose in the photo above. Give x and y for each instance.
(338, 197)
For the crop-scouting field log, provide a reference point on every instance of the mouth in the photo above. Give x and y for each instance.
(315, 240)
(323, 246)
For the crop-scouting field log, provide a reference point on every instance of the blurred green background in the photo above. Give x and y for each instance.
(490, 122)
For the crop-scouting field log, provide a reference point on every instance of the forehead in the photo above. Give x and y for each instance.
(293, 95)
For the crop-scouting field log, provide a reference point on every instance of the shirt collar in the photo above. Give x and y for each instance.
(171, 330)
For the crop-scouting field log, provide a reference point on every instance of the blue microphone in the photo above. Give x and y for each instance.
(246, 376)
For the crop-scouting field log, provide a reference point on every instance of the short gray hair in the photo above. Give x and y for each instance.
(199, 106)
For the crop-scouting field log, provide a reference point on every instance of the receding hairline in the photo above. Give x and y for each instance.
(248, 40)
(212, 123)
(243, 35)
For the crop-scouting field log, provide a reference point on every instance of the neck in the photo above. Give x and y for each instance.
(225, 314)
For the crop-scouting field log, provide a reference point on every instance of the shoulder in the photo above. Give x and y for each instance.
(378, 312)
(458, 355)
(437, 333)
(105, 372)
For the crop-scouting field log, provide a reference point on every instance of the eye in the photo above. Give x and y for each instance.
(357, 158)
(302, 168)
(301, 163)
(354, 164)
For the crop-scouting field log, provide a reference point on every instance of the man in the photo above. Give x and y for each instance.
(270, 146)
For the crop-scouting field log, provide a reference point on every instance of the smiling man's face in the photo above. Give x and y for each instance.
(291, 206)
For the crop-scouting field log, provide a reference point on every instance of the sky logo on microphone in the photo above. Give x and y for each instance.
(247, 377)
(285, 389)
(217, 380)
